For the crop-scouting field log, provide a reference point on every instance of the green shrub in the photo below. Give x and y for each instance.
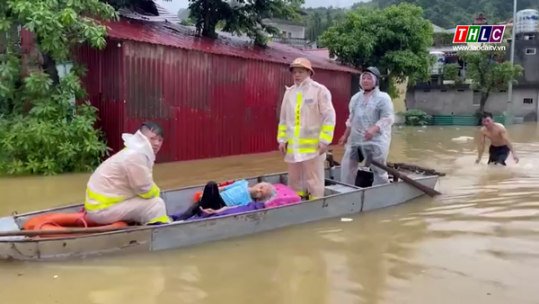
(414, 117)
(45, 134)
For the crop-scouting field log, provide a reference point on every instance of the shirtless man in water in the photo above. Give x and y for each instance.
(500, 146)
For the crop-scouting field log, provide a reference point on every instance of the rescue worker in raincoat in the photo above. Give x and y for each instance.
(368, 129)
(306, 127)
(122, 187)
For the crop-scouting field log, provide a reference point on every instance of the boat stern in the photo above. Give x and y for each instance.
(8, 224)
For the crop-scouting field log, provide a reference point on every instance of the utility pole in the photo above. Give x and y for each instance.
(512, 59)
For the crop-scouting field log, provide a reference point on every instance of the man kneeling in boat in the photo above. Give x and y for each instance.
(237, 196)
(122, 187)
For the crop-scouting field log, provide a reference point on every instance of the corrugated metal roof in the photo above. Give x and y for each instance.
(228, 45)
(139, 14)
(319, 52)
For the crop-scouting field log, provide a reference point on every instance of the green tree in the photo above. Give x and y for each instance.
(451, 72)
(42, 131)
(318, 19)
(449, 14)
(487, 71)
(395, 39)
(329, 19)
(314, 26)
(243, 17)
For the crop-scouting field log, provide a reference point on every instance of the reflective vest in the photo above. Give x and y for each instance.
(307, 119)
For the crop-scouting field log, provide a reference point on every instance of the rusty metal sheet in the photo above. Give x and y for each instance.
(178, 36)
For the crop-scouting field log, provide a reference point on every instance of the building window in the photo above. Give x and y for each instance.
(531, 51)
(527, 101)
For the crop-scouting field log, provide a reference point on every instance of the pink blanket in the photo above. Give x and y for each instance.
(285, 196)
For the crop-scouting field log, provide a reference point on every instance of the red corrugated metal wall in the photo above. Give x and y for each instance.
(209, 105)
(104, 85)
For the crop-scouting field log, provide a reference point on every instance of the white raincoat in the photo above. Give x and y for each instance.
(307, 119)
(366, 112)
(122, 187)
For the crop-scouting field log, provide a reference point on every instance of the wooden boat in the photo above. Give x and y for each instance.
(340, 200)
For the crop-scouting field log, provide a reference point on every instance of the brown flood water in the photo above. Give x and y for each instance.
(479, 242)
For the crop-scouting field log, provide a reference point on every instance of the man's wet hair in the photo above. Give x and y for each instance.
(487, 115)
(152, 126)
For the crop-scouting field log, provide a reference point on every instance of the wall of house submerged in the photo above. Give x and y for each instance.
(209, 105)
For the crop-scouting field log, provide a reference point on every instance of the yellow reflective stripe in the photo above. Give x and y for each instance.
(162, 219)
(328, 128)
(326, 133)
(154, 192)
(297, 124)
(104, 201)
(313, 197)
(300, 193)
(308, 141)
(281, 135)
(302, 150)
(326, 137)
(282, 128)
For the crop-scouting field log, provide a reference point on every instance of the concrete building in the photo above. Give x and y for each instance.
(291, 33)
(289, 29)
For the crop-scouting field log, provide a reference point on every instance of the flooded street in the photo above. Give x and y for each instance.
(479, 242)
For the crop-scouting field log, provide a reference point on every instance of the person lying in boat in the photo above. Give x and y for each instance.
(122, 187)
(217, 200)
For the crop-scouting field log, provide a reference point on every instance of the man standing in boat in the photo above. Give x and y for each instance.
(306, 127)
(122, 187)
(500, 145)
(368, 129)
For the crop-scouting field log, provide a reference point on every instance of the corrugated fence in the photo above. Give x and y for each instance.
(209, 105)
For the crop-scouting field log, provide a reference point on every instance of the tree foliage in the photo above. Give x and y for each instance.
(449, 14)
(42, 131)
(242, 17)
(446, 14)
(488, 72)
(451, 72)
(318, 20)
(395, 39)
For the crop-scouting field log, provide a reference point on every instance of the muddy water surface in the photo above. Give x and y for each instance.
(479, 242)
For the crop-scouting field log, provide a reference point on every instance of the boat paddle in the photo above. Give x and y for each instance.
(427, 190)
(93, 230)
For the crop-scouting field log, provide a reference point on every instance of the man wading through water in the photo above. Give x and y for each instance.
(500, 145)
(368, 129)
(306, 127)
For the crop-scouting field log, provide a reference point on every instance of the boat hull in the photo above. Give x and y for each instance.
(341, 200)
